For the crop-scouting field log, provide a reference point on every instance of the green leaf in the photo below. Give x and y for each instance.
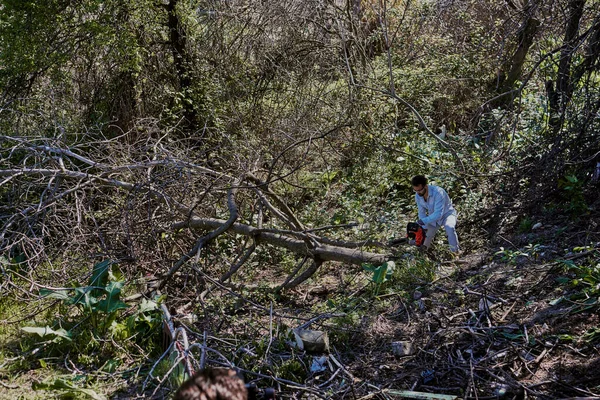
(112, 302)
(147, 305)
(568, 263)
(380, 273)
(100, 274)
(83, 297)
(512, 336)
(565, 338)
(62, 294)
(47, 331)
(369, 267)
(110, 366)
(556, 301)
(62, 384)
(562, 280)
(571, 178)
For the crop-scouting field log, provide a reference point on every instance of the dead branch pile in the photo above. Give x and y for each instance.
(128, 203)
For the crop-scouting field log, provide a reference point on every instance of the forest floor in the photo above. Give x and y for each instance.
(517, 321)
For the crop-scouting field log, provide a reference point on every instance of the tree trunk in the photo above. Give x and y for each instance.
(354, 256)
(181, 60)
(564, 85)
(527, 31)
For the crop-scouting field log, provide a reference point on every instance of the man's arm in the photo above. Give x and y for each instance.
(438, 209)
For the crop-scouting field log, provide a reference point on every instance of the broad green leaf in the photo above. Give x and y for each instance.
(62, 384)
(380, 273)
(112, 301)
(368, 267)
(47, 331)
(571, 178)
(147, 305)
(62, 294)
(383, 272)
(83, 297)
(567, 263)
(512, 336)
(100, 274)
(109, 306)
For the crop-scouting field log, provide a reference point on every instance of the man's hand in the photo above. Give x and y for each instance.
(420, 222)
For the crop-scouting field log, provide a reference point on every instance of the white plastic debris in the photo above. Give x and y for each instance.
(319, 364)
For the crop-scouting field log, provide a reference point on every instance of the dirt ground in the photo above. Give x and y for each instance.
(517, 319)
(496, 324)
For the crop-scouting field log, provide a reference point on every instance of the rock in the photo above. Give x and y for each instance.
(312, 341)
(402, 348)
(485, 304)
(536, 226)
(501, 390)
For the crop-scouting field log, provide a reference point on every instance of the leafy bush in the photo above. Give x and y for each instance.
(99, 315)
(572, 193)
(583, 283)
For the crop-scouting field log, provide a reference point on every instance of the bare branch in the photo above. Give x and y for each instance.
(238, 264)
(310, 271)
(233, 215)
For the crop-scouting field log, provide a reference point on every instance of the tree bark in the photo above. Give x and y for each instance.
(564, 85)
(181, 60)
(354, 256)
(525, 37)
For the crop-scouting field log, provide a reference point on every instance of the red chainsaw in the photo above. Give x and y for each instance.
(414, 232)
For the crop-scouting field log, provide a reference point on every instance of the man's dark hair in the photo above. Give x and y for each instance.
(213, 384)
(419, 180)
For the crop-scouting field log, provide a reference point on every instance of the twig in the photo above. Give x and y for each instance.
(233, 215)
(318, 317)
(203, 355)
(494, 298)
(329, 227)
(507, 312)
(238, 264)
(270, 332)
(8, 386)
(473, 379)
(331, 378)
(339, 364)
(294, 273)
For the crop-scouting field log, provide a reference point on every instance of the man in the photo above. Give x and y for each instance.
(435, 211)
(213, 384)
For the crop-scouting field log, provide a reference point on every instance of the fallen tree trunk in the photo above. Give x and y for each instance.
(323, 252)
